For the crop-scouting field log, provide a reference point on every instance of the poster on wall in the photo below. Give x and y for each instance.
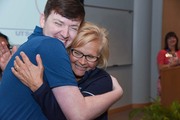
(19, 18)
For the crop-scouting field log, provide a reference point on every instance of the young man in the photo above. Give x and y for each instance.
(60, 23)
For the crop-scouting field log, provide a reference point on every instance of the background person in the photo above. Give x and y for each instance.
(5, 39)
(89, 50)
(169, 56)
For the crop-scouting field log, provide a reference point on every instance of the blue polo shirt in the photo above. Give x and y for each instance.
(16, 101)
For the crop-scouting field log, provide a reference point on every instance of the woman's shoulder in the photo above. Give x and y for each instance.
(98, 74)
(162, 51)
(101, 72)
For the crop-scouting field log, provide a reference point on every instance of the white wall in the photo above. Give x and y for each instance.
(18, 18)
(120, 4)
(139, 80)
(123, 72)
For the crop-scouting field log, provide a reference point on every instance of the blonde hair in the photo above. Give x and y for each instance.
(90, 32)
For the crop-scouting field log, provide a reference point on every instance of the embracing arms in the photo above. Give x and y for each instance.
(69, 98)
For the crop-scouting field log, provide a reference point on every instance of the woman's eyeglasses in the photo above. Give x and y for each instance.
(79, 54)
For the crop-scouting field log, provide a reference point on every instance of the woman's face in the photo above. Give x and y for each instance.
(172, 41)
(81, 65)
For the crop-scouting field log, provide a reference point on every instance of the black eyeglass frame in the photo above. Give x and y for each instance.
(79, 54)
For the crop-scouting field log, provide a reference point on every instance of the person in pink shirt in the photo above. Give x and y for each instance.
(169, 56)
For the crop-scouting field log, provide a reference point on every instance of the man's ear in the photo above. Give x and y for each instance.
(42, 20)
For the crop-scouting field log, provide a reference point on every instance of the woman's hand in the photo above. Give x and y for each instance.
(28, 73)
(174, 62)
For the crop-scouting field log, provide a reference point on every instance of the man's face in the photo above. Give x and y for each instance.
(59, 27)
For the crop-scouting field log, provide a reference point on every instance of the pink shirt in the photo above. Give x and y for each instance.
(164, 57)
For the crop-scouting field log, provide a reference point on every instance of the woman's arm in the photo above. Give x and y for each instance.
(28, 73)
(45, 98)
